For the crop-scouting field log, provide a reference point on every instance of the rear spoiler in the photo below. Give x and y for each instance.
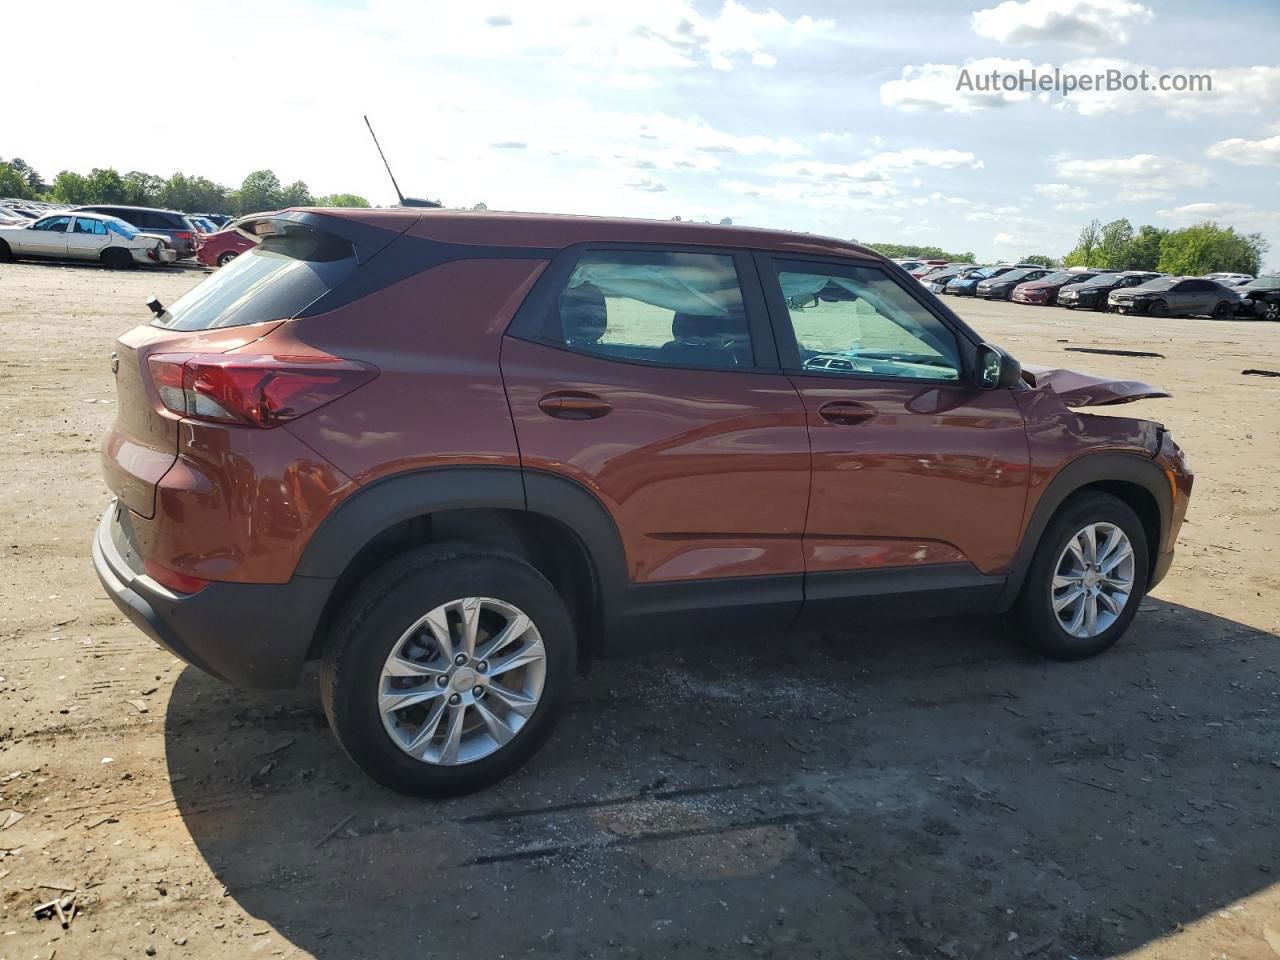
(365, 240)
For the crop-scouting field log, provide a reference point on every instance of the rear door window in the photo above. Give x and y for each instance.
(290, 269)
(670, 308)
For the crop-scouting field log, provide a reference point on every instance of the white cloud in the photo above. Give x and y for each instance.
(915, 157)
(1142, 169)
(933, 86)
(619, 39)
(1242, 216)
(1055, 191)
(1085, 23)
(1227, 89)
(1249, 153)
(969, 87)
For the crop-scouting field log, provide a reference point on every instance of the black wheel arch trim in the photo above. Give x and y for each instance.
(1090, 469)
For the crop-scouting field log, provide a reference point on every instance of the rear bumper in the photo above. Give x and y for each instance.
(249, 634)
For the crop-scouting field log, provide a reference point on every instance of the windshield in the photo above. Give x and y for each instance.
(1062, 276)
(276, 280)
(116, 225)
(1264, 283)
(1015, 275)
(1103, 280)
(1160, 283)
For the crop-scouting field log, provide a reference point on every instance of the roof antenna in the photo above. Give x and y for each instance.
(404, 201)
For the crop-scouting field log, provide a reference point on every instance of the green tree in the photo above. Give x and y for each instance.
(1086, 246)
(260, 191)
(69, 187)
(194, 195)
(105, 186)
(902, 251)
(13, 183)
(1144, 252)
(35, 186)
(143, 189)
(296, 194)
(341, 200)
(1041, 259)
(1115, 245)
(1207, 247)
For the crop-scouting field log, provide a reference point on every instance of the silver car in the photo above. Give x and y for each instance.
(84, 236)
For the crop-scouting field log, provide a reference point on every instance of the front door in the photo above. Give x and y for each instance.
(46, 237)
(87, 239)
(916, 470)
(649, 377)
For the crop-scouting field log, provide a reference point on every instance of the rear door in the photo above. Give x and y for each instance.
(649, 376)
(916, 471)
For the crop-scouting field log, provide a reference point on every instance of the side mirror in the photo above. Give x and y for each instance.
(997, 370)
(155, 306)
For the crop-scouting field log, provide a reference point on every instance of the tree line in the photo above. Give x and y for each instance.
(260, 190)
(1190, 251)
(1202, 248)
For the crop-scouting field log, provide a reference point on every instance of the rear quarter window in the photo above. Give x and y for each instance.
(276, 280)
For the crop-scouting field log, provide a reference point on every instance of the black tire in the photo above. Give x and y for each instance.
(1033, 615)
(1158, 308)
(378, 613)
(114, 258)
(1222, 310)
(225, 258)
(6, 255)
(1271, 311)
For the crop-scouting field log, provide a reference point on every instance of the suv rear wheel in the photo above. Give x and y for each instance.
(447, 669)
(1086, 579)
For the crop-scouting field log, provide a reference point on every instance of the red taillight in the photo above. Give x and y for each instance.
(175, 581)
(260, 390)
(184, 234)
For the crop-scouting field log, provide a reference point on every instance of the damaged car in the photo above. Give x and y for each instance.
(452, 457)
(1261, 298)
(1177, 297)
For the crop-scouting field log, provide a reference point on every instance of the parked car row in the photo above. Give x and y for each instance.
(1146, 292)
(82, 235)
(182, 233)
(16, 209)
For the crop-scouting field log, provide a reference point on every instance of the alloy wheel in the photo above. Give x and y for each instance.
(462, 681)
(1092, 580)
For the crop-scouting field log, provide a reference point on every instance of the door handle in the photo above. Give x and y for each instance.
(570, 405)
(846, 413)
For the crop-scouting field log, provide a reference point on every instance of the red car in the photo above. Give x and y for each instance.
(1044, 292)
(454, 455)
(219, 249)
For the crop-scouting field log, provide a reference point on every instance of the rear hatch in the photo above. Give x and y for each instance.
(302, 259)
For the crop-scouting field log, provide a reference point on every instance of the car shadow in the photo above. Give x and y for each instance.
(918, 790)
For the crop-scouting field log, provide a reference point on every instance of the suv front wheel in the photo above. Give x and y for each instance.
(1086, 580)
(447, 669)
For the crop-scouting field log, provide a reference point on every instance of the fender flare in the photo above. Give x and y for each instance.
(387, 502)
(1132, 468)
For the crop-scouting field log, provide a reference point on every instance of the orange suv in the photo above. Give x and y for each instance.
(454, 455)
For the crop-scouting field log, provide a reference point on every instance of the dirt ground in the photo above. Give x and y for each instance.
(923, 791)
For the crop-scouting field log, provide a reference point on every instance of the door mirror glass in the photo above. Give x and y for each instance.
(996, 369)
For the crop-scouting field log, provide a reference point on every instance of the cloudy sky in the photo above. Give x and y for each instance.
(836, 118)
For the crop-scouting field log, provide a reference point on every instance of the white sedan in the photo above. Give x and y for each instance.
(85, 236)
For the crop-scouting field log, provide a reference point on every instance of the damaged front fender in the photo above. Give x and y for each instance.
(1077, 389)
